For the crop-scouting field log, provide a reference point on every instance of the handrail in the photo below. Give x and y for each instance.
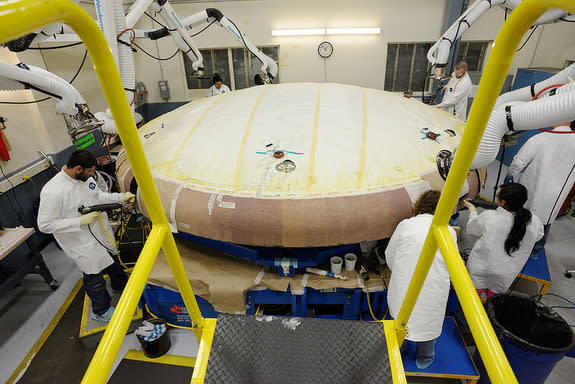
(498, 64)
(19, 17)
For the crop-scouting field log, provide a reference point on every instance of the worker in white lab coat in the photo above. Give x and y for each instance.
(402, 254)
(218, 86)
(507, 236)
(545, 165)
(82, 236)
(457, 91)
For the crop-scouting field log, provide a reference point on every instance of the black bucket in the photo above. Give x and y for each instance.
(158, 347)
(533, 336)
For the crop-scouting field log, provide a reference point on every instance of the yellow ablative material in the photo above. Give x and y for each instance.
(492, 79)
(20, 17)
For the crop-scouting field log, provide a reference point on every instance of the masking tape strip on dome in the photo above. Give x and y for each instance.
(363, 154)
(173, 204)
(175, 157)
(245, 139)
(313, 149)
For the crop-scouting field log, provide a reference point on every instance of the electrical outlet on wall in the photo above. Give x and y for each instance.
(164, 89)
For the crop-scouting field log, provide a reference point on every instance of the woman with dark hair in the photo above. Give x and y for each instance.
(402, 254)
(507, 236)
(218, 86)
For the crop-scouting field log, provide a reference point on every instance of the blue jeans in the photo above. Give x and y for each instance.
(425, 352)
(541, 243)
(95, 286)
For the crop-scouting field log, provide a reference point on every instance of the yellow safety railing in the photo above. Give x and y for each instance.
(491, 82)
(19, 17)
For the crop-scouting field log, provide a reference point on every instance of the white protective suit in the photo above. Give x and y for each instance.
(402, 253)
(58, 214)
(456, 94)
(489, 265)
(548, 164)
(212, 91)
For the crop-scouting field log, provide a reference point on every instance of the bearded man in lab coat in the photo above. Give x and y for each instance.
(457, 91)
(83, 237)
(545, 165)
(402, 254)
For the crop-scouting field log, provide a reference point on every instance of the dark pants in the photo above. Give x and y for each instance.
(541, 243)
(95, 286)
(425, 351)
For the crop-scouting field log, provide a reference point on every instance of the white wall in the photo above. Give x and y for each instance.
(357, 60)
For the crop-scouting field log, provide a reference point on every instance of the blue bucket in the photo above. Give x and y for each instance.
(533, 336)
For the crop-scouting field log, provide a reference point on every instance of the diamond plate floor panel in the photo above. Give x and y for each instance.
(266, 349)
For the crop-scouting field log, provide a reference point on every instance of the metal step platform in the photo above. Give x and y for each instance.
(268, 349)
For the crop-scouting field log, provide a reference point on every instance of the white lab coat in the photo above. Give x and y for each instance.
(548, 164)
(455, 96)
(489, 265)
(402, 254)
(58, 214)
(212, 91)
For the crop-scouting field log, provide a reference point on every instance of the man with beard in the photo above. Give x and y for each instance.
(85, 238)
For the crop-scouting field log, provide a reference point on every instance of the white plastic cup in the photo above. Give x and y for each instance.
(336, 263)
(350, 260)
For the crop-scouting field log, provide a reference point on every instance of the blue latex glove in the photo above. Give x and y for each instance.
(508, 179)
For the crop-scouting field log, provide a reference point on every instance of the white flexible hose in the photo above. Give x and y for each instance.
(126, 69)
(45, 81)
(535, 114)
(524, 94)
(7, 84)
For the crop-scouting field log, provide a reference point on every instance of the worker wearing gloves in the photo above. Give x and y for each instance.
(456, 92)
(506, 238)
(87, 239)
(218, 86)
(545, 165)
(402, 254)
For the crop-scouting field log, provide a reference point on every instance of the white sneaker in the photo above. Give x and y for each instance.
(104, 317)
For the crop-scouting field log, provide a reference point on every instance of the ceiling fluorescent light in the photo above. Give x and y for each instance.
(353, 31)
(326, 31)
(298, 32)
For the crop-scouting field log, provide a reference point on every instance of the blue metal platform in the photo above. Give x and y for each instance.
(452, 359)
(285, 260)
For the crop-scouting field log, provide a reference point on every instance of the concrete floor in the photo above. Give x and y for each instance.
(28, 309)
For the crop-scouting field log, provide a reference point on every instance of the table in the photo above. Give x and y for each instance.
(11, 239)
(538, 271)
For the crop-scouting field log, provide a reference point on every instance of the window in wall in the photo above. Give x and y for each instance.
(406, 67)
(407, 64)
(473, 53)
(215, 61)
(244, 67)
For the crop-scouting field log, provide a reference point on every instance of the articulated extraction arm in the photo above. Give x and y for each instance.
(539, 105)
(78, 117)
(114, 22)
(438, 54)
(176, 29)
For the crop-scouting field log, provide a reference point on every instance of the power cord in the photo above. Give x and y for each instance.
(20, 216)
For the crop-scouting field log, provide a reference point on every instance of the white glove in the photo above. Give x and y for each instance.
(129, 197)
(88, 218)
(469, 206)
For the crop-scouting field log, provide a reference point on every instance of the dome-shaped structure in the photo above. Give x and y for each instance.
(295, 165)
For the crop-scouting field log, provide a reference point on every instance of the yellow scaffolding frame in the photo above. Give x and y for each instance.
(19, 17)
